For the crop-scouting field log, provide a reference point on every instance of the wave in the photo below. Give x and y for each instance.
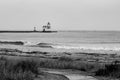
(12, 42)
(27, 43)
(43, 45)
(63, 46)
(76, 47)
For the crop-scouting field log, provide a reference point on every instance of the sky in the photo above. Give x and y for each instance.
(62, 14)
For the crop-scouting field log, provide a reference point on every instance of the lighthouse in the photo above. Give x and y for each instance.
(47, 27)
(34, 28)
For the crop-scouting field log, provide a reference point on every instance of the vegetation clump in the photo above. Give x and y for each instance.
(110, 70)
(22, 70)
(63, 58)
(66, 63)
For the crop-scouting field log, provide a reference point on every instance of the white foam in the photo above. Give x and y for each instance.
(88, 48)
(29, 43)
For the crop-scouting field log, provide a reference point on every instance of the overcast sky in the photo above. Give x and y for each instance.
(63, 14)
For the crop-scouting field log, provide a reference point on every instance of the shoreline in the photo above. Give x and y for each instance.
(47, 48)
(83, 55)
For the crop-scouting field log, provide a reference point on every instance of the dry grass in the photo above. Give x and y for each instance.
(66, 63)
(23, 70)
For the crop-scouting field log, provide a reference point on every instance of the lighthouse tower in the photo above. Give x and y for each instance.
(34, 29)
(48, 25)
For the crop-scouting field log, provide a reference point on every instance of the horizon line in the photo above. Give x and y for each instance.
(60, 30)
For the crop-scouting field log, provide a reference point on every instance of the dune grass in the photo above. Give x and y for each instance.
(23, 70)
(110, 70)
(26, 68)
(66, 63)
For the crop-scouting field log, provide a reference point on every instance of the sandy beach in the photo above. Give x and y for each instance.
(71, 74)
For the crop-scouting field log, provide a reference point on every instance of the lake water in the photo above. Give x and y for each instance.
(95, 40)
